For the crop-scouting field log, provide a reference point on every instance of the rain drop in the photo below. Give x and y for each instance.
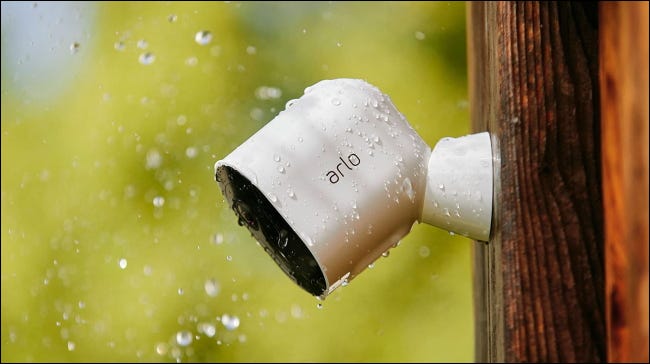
(161, 348)
(290, 103)
(276, 157)
(212, 287)
(230, 322)
(407, 187)
(184, 338)
(74, 48)
(123, 263)
(217, 239)
(385, 254)
(119, 46)
(158, 201)
(336, 102)
(147, 58)
(208, 329)
(283, 239)
(191, 152)
(203, 37)
(419, 35)
(172, 18)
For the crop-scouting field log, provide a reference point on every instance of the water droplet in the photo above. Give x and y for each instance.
(300, 139)
(180, 291)
(290, 103)
(385, 254)
(172, 18)
(478, 196)
(230, 322)
(191, 152)
(515, 120)
(74, 48)
(283, 239)
(319, 306)
(161, 348)
(424, 251)
(251, 50)
(119, 46)
(371, 265)
(291, 193)
(71, 345)
(203, 37)
(419, 35)
(229, 258)
(142, 44)
(407, 188)
(273, 197)
(441, 187)
(192, 61)
(184, 338)
(212, 287)
(336, 102)
(446, 211)
(452, 233)
(158, 201)
(281, 169)
(217, 238)
(266, 93)
(123, 263)
(146, 58)
(208, 329)
(276, 157)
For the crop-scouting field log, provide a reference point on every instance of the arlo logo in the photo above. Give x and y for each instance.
(334, 177)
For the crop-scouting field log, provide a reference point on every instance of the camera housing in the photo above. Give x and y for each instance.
(340, 176)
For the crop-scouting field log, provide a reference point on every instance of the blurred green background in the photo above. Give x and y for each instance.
(116, 242)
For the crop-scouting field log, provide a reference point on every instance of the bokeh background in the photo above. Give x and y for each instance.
(116, 242)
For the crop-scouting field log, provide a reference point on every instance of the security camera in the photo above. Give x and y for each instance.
(339, 177)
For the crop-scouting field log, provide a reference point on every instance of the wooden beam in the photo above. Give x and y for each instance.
(534, 85)
(624, 85)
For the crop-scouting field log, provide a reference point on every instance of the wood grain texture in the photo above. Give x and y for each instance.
(534, 85)
(624, 85)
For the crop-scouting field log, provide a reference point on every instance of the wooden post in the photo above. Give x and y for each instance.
(540, 291)
(624, 85)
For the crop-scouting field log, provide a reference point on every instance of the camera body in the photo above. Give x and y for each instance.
(340, 176)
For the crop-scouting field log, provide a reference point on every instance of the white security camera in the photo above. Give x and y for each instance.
(339, 177)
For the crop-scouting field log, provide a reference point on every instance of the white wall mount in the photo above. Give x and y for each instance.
(340, 176)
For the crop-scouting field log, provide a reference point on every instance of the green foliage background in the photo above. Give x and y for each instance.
(77, 191)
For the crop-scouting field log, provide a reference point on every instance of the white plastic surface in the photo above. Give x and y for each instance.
(346, 170)
(458, 196)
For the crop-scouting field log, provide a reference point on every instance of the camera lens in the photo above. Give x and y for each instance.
(271, 230)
